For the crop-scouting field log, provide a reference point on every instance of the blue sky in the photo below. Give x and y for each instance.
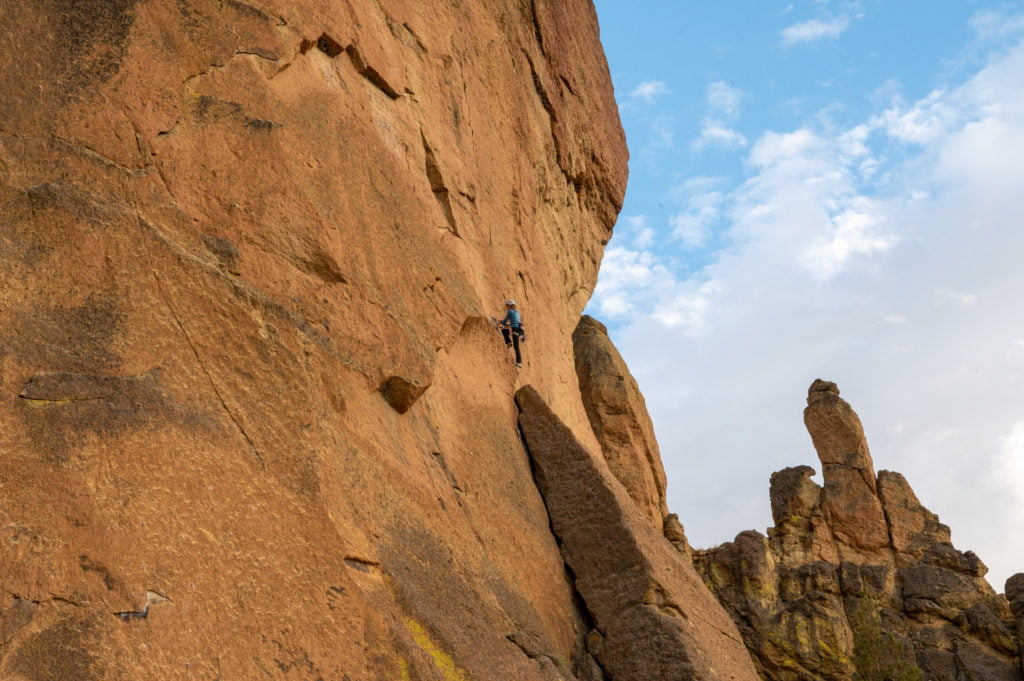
(825, 189)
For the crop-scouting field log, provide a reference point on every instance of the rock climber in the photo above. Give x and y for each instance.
(512, 329)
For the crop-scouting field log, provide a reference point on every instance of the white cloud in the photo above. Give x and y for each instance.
(909, 300)
(686, 310)
(648, 91)
(640, 234)
(629, 277)
(702, 211)
(814, 30)
(944, 295)
(724, 99)
(924, 122)
(723, 107)
(989, 24)
(714, 134)
(853, 233)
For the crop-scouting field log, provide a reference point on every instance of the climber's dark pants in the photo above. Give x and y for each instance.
(512, 338)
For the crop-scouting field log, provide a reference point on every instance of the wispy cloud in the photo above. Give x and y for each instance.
(923, 122)
(990, 24)
(814, 30)
(723, 109)
(715, 134)
(702, 212)
(724, 99)
(649, 90)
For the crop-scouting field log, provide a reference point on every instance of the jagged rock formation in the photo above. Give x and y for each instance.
(653, 617)
(618, 415)
(857, 580)
(254, 420)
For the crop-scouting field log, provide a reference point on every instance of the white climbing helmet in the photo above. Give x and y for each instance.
(510, 302)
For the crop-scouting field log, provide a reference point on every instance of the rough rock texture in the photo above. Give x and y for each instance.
(254, 421)
(1015, 594)
(851, 498)
(653, 617)
(857, 580)
(618, 415)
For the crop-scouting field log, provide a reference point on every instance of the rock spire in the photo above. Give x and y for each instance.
(857, 580)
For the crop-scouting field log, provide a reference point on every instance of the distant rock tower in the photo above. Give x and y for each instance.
(857, 580)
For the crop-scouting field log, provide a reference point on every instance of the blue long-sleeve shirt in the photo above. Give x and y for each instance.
(512, 319)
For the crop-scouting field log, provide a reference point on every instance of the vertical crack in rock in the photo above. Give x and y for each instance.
(538, 34)
(438, 186)
(206, 372)
(658, 619)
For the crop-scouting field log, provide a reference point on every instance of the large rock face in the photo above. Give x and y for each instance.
(254, 420)
(857, 580)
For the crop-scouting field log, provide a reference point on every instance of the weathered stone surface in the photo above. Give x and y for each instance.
(857, 580)
(619, 418)
(792, 619)
(1015, 596)
(655, 617)
(676, 535)
(802, 532)
(851, 499)
(224, 226)
(912, 528)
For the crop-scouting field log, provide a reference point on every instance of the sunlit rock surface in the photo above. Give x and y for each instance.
(255, 421)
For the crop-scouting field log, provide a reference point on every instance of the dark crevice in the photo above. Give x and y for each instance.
(536, 26)
(152, 598)
(568, 85)
(452, 480)
(541, 90)
(360, 565)
(437, 185)
(371, 73)
(326, 44)
(545, 100)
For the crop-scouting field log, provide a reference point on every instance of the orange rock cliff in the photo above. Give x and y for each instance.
(255, 420)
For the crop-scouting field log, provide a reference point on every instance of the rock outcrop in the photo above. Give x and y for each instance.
(619, 418)
(858, 580)
(254, 419)
(653, 617)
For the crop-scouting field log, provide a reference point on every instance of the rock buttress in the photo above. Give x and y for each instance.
(653, 617)
(619, 418)
(254, 419)
(857, 580)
